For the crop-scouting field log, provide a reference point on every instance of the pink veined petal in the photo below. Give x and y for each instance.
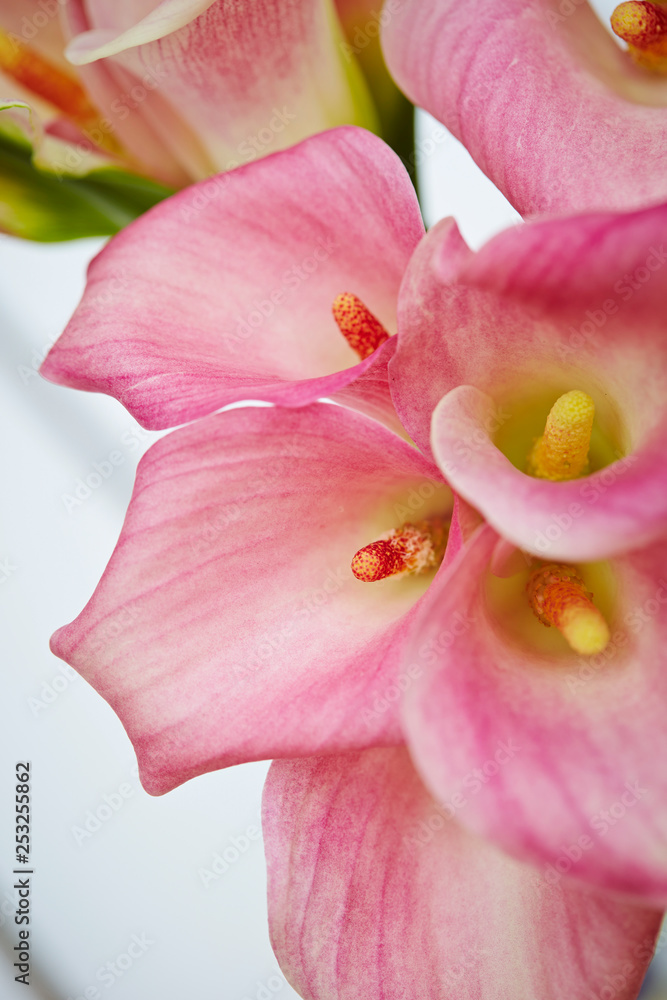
(228, 625)
(544, 308)
(517, 89)
(248, 79)
(555, 757)
(374, 891)
(113, 33)
(224, 292)
(568, 265)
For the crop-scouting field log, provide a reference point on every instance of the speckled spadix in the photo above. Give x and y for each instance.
(559, 598)
(562, 451)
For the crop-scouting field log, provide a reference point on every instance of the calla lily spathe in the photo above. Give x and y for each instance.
(492, 339)
(545, 101)
(229, 287)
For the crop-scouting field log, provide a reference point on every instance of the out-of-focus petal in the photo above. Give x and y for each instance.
(245, 79)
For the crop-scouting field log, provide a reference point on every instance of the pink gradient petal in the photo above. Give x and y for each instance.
(248, 79)
(228, 625)
(374, 891)
(555, 757)
(526, 91)
(224, 292)
(569, 265)
(617, 509)
(573, 303)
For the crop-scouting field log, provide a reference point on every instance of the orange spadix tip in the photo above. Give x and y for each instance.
(362, 330)
(562, 451)
(412, 548)
(639, 23)
(559, 598)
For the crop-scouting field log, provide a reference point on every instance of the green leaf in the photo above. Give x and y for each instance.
(38, 204)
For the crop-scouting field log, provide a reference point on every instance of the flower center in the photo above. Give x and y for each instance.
(45, 80)
(410, 549)
(362, 330)
(562, 451)
(558, 596)
(644, 27)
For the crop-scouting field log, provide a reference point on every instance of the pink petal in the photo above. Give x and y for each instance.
(374, 891)
(542, 309)
(228, 625)
(557, 758)
(247, 79)
(224, 292)
(526, 90)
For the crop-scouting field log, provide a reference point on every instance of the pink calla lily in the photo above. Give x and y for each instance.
(539, 97)
(228, 287)
(490, 340)
(375, 891)
(228, 625)
(582, 791)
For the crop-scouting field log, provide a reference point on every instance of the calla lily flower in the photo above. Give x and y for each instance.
(584, 795)
(153, 92)
(229, 625)
(540, 96)
(229, 287)
(546, 314)
(375, 890)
